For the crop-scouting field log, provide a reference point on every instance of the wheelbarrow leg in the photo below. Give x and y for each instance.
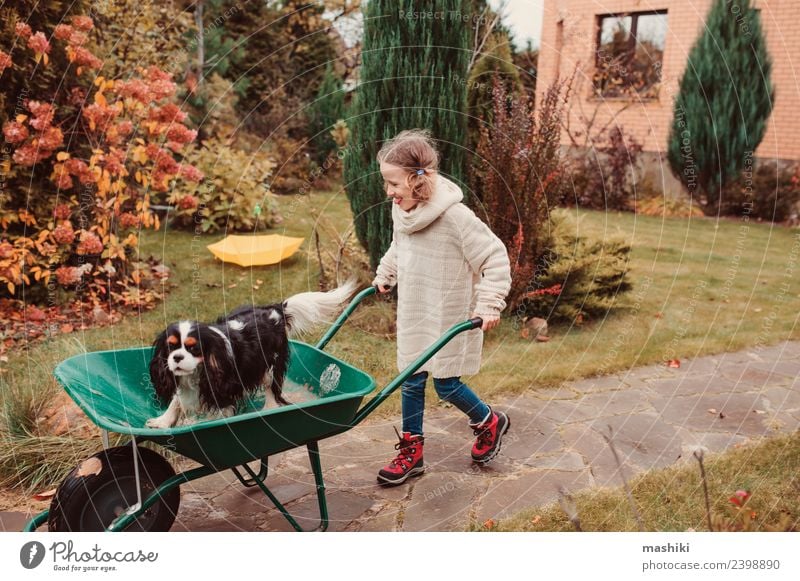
(316, 467)
(262, 473)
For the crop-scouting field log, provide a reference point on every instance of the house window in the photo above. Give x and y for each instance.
(630, 52)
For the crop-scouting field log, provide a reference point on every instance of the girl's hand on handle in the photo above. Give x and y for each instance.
(489, 321)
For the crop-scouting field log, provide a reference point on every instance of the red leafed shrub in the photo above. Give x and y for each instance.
(521, 177)
(84, 165)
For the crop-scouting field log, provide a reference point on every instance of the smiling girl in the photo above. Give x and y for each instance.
(448, 267)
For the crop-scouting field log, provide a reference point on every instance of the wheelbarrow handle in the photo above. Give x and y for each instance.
(474, 323)
(345, 314)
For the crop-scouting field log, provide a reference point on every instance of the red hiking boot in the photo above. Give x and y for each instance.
(408, 462)
(490, 434)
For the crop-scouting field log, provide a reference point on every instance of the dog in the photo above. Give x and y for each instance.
(203, 368)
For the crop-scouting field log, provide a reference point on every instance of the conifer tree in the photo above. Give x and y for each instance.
(324, 112)
(725, 98)
(413, 75)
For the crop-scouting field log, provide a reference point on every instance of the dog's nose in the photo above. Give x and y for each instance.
(177, 358)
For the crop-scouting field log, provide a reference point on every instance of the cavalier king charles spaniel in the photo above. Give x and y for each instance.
(201, 368)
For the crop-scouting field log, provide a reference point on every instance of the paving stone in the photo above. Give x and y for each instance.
(787, 367)
(526, 415)
(693, 413)
(343, 508)
(383, 520)
(780, 399)
(565, 461)
(566, 412)
(362, 479)
(712, 441)
(582, 439)
(686, 385)
(613, 403)
(750, 375)
(522, 446)
(642, 439)
(441, 502)
(531, 489)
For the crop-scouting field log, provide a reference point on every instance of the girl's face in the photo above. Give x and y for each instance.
(394, 180)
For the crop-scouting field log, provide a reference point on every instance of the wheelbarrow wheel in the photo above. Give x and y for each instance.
(104, 486)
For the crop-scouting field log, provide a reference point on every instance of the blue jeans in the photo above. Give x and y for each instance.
(450, 389)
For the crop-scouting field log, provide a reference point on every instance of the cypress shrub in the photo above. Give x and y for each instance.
(413, 75)
(725, 98)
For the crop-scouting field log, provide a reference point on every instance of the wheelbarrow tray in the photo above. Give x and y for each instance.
(114, 389)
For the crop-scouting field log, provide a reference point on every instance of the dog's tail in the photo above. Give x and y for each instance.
(305, 311)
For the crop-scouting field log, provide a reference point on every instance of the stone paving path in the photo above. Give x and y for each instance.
(658, 415)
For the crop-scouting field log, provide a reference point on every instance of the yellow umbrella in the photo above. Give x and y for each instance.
(255, 250)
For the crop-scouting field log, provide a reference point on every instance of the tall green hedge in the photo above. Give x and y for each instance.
(413, 75)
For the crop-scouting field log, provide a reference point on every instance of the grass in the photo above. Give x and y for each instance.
(700, 287)
(671, 499)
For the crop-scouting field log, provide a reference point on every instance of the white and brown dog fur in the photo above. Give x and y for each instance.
(200, 368)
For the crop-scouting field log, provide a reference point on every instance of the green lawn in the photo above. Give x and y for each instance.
(700, 287)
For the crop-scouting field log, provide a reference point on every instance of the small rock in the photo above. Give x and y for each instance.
(100, 316)
(536, 327)
(160, 271)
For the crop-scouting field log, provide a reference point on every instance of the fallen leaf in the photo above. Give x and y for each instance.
(256, 287)
(488, 524)
(232, 285)
(759, 411)
(659, 315)
(525, 333)
(46, 495)
(536, 519)
(712, 411)
(259, 281)
(67, 328)
(758, 309)
(674, 363)
(543, 338)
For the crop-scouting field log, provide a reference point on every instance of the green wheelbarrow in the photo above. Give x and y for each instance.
(131, 488)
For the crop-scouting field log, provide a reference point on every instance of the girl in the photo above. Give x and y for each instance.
(449, 267)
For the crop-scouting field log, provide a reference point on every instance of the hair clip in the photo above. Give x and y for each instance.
(420, 172)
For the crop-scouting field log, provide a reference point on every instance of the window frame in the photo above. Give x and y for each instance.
(634, 15)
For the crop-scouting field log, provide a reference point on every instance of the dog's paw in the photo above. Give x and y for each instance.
(157, 424)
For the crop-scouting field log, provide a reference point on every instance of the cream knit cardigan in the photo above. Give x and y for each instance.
(447, 265)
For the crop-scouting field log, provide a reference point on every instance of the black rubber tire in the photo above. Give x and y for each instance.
(97, 491)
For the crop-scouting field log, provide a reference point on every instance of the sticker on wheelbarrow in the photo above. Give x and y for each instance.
(329, 380)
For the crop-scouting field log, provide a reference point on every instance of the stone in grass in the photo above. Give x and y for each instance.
(535, 329)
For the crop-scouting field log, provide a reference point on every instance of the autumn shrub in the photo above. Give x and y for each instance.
(605, 174)
(523, 177)
(234, 195)
(576, 278)
(764, 191)
(84, 169)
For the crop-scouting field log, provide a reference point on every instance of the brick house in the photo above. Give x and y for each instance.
(587, 34)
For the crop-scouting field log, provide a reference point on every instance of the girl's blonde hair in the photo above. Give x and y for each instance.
(413, 150)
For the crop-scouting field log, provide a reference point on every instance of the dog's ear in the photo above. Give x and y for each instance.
(163, 379)
(219, 387)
